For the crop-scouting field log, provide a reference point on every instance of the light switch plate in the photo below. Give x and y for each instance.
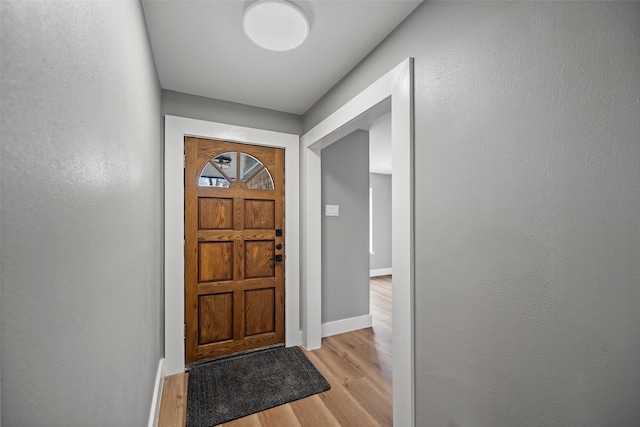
(332, 210)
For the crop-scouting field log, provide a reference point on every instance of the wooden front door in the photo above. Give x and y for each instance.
(234, 248)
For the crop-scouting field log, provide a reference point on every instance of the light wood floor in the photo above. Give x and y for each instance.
(356, 364)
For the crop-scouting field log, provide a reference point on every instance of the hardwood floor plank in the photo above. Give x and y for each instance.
(279, 416)
(173, 406)
(346, 409)
(340, 368)
(312, 412)
(377, 404)
(375, 366)
(343, 406)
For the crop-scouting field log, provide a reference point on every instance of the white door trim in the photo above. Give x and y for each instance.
(397, 87)
(175, 129)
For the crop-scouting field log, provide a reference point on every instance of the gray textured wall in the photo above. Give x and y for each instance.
(527, 147)
(215, 110)
(81, 222)
(345, 238)
(381, 190)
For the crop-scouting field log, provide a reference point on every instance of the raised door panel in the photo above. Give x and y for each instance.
(259, 214)
(215, 213)
(215, 261)
(260, 311)
(258, 259)
(215, 318)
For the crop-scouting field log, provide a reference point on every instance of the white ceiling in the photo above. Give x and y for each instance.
(200, 48)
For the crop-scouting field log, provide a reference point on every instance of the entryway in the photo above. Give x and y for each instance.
(176, 130)
(394, 89)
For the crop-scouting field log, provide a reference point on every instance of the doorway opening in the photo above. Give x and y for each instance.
(394, 92)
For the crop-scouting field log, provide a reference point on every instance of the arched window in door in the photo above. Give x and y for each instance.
(225, 168)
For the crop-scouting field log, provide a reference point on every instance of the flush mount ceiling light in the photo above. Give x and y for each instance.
(275, 25)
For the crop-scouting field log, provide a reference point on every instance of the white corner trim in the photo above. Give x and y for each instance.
(176, 128)
(380, 272)
(367, 105)
(346, 325)
(157, 395)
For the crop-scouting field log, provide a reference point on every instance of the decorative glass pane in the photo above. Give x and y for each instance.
(227, 162)
(261, 181)
(212, 177)
(248, 166)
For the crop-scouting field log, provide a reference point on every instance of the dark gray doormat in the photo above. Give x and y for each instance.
(231, 388)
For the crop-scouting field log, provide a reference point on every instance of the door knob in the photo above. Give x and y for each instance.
(279, 246)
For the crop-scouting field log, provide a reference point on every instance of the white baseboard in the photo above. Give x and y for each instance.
(346, 325)
(380, 272)
(157, 395)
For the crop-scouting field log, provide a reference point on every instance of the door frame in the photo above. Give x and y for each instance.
(393, 91)
(175, 129)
